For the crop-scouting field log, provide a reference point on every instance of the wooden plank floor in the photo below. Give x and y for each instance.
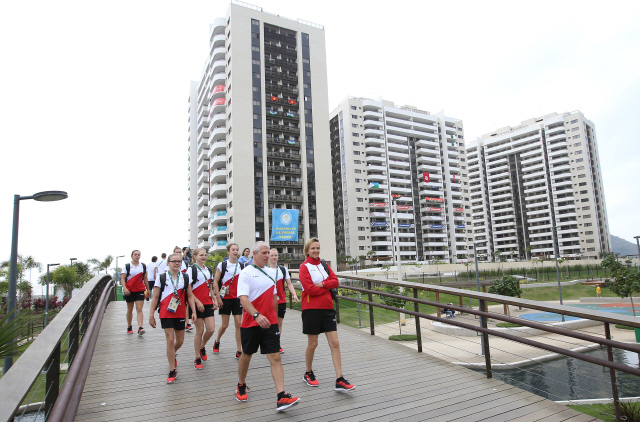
(127, 382)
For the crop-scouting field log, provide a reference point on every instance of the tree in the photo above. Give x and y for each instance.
(623, 282)
(9, 334)
(101, 265)
(506, 286)
(65, 278)
(83, 271)
(215, 257)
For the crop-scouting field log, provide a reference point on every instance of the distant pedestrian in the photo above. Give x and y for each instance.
(161, 268)
(202, 287)
(134, 285)
(598, 291)
(152, 273)
(173, 294)
(257, 292)
(225, 287)
(244, 259)
(318, 314)
(282, 277)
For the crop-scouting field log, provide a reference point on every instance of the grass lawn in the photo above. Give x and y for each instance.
(607, 413)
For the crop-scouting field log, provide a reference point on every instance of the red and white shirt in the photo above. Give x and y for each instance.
(168, 293)
(230, 279)
(260, 289)
(200, 286)
(280, 282)
(311, 272)
(135, 281)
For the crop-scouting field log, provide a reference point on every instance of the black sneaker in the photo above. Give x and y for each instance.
(188, 327)
(141, 331)
(172, 377)
(344, 385)
(286, 401)
(203, 354)
(129, 330)
(197, 363)
(238, 354)
(310, 379)
(241, 392)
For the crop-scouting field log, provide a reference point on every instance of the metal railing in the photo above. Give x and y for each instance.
(76, 326)
(482, 314)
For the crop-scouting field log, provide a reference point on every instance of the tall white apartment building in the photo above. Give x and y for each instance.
(259, 134)
(529, 180)
(381, 150)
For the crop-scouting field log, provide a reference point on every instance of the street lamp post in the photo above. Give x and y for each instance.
(73, 259)
(46, 303)
(556, 251)
(46, 196)
(637, 238)
(475, 256)
(118, 271)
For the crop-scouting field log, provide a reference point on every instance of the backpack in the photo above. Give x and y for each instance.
(194, 272)
(223, 271)
(128, 268)
(284, 283)
(163, 284)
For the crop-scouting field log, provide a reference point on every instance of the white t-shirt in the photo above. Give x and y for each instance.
(150, 269)
(260, 290)
(162, 266)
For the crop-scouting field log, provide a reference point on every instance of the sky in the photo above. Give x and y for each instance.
(93, 98)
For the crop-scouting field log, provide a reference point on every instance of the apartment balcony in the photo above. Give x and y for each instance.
(539, 219)
(217, 204)
(566, 215)
(375, 177)
(381, 243)
(571, 207)
(394, 155)
(557, 137)
(284, 170)
(405, 216)
(373, 132)
(375, 189)
(374, 142)
(203, 166)
(541, 250)
(379, 196)
(284, 184)
(534, 175)
(218, 189)
(376, 167)
(545, 242)
(203, 234)
(203, 211)
(401, 190)
(203, 155)
(563, 183)
(376, 159)
(503, 217)
(371, 114)
(398, 172)
(218, 161)
(218, 217)
(536, 197)
(432, 201)
(203, 222)
(543, 188)
(427, 144)
(558, 152)
(383, 253)
(286, 198)
(203, 178)
(398, 163)
(430, 168)
(218, 133)
(203, 190)
(375, 150)
(431, 218)
(567, 231)
(502, 203)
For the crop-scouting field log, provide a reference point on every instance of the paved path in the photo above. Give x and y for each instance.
(127, 382)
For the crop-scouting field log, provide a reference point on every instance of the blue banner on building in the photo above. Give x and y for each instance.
(405, 225)
(379, 224)
(459, 226)
(284, 225)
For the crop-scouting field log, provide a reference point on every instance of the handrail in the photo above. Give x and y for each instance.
(66, 405)
(525, 303)
(44, 352)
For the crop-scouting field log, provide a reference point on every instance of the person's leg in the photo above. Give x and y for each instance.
(276, 371)
(237, 320)
(179, 340)
(169, 335)
(209, 329)
(139, 305)
(243, 368)
(312, 343)
(129, 313)
(334, 344)
(223, 326)
(280, 324)
(197, 339)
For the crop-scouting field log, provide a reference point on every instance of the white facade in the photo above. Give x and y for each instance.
(261, 134)
(380, 150)
(527, 180)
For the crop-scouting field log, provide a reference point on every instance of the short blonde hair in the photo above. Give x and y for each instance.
(308, 243)
(175, 254)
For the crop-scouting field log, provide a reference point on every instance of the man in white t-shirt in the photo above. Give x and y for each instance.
(161, 268)
(151, 274)
(257, 293)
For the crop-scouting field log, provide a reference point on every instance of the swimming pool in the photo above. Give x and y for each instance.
(616, 308)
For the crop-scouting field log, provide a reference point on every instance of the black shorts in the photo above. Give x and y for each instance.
(268, 340)
(175, 323)
(282, 309)
(208, 312)
(133, 296)
(152, 283)
(316, 321)
(230, 306)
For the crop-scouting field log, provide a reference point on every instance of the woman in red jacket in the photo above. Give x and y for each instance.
(318, 315)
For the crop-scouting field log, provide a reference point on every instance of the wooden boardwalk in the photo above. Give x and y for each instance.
(127, 382)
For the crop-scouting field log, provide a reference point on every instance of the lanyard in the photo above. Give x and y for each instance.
(202, 272)
(270, 278)
(174, 284)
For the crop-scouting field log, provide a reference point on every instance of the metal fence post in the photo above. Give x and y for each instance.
(612, 374)
(416, 307)
(485, 339)
(371, 327)
(52, 382)
(337, 307)
(74, 337)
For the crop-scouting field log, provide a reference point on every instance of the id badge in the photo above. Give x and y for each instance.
(173, 305)
(224, 290)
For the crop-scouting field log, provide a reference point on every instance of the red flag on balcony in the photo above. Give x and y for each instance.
(425, 177)
(292, 102)
(273, 98)
(454, 178)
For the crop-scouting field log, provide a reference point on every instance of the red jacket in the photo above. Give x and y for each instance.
(312, 272)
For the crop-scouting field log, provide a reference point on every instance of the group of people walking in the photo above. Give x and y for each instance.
(250, 289)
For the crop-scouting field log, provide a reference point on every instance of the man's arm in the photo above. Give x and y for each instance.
(262, 320)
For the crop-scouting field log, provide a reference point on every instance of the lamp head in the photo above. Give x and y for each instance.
(50, 195)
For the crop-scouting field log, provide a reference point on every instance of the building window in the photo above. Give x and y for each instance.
(588, 224)
(256, 102)
(256, 75)
(356, 152)
(582, 176)
(583, 192)
(356, 144)
(582, 184)
(360, 218)
(358, 180)
(353, 116)
(584, 200)
(359, 199)
(255, 48)
(358, 189)
(588, 233)
(577, 144)
(354, 125)
(357, 162)
(361, 248)
(359, 208)
(591, 249)
(356, 171)
(576, 136)
(574, 121)
(575, 129)
(254, 61)
(360, 237)
(579, 160)
(591, 241)
(360, 228)
(586, 216)
(354, 108)
(587, 208)
(580, 168)
(257, 130)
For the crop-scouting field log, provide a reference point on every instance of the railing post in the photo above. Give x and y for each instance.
(371, 328)
(74, 337)
(52, 383)
(416, 307)
(85, 318)
(612, 374)
(438, 300)
(337, 307)
(485, 339)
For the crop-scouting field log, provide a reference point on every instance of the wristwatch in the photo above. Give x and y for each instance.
(255, 315)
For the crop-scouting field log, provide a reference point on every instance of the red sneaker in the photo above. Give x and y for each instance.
(197, 363)
(344, 385)
(216, 347)
(310, 379)
(129, 330)
(286, 402)
(203, 354)
(241, 392)
(172, 377)
(281, 351)
(238, 354)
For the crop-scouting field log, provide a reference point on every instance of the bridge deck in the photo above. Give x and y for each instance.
(127, 382)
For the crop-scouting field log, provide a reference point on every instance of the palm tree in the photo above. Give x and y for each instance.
(101, 265)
